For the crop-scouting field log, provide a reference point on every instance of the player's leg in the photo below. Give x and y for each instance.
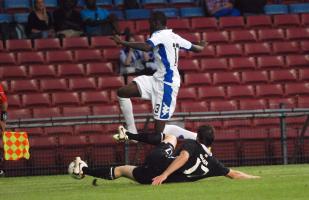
(179, 132)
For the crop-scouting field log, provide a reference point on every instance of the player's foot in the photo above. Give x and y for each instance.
(78, 168)
(121, 135)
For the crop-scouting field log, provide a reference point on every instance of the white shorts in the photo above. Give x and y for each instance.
(163, 96)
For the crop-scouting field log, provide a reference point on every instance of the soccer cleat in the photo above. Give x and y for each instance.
(78, 167)
(121, 135)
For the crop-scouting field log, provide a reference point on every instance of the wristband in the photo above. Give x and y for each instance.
(4, 116)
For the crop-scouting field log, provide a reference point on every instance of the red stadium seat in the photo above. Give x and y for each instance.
(142, 108)
(75, 43)
(46, 112)
(102, 42)
(283, 76)
(32, 132)
(47, 44)
(240, 91)
(14, 101)
(23, 86)
(226, 78)
(285, 47)
(223, 105)
(7, 58)
(42, 71)
(76, 111)
(1, 47)
(36, 100)
(297, 34)
(231, 22)
(209, 51)
(211, 92)
(204, 23)
(70, 70)
(110, 82)
(192, 37)
(88, 55)
(197, 79)
(304, 46)
(106, 110)
(297, 61)
(94, 97)
(194, 106)
(216, 37)
(260, 21)
(286, 20)
(126, 24)
(304, 75)
(293, 89)
(191, 65)
(18, 45)
(229, 50)
(99, 69)
(255, 77)
(30, 57)
(82, 84)
(52, 85)
(14, 72)
(60, 130)
(243, 36)
(237, 123)
(65, 99)
(242, 63)
(303, 101)
(20, 114)
(271, 34)
(179, 24)
(111, 54)
(266, 62)
(274, 90)
(268, 122)
(187, 93)
(252, 104)
(142, 26)
(86, 129)
(257, 49)
(274, 103)
(59, 56)
(305, 19)
(214, 64)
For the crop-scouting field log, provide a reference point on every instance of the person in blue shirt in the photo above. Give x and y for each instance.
(98, 21)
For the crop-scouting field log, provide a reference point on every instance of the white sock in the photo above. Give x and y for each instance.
(127, 111)
(179, 132)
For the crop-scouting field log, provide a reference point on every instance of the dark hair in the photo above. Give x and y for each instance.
(205, 135)
(159, 16)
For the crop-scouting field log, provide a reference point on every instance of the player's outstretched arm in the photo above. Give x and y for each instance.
(198, 47)
(234, 174)
(134, 45)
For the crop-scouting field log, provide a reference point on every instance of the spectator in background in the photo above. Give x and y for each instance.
(130, 4)
(220, 8)
(251, 7)
(98, 21)
(67, 21)
(39, 21)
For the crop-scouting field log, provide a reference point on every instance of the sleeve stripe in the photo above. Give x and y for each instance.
(150, 43)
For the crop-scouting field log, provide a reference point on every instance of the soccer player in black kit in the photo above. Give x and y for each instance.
(191, 162)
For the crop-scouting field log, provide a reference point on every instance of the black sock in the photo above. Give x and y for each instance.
(104, 172)
(146, 137)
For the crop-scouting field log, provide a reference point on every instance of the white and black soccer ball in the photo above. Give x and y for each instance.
(71, 170)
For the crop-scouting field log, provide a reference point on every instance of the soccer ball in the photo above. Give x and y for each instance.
(71, 171)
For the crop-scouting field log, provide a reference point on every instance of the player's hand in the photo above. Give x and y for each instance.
(117, 39)
(158, 180)
(2, 126)
(202, 43)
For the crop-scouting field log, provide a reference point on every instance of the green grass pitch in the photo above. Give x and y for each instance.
(289, 182)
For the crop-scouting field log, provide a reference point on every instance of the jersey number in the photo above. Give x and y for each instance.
(176, 49)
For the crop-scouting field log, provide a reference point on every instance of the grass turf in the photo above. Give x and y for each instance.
(289, 182)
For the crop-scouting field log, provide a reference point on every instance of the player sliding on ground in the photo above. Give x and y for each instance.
(163, 86)
(192, 162)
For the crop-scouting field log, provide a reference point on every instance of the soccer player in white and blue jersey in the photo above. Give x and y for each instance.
(163, 86)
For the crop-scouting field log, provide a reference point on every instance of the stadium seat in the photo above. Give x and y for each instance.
(150, 4)
(216, 37)
(192, 12)
(6, 18)
(259, 21)
(252, 104)
(61, 130)
(211, 92)
(226, 78)
(18, 45)
(76, 111)
(94, 97)
(47, 44)
(242, 63)
(7, 59)
(274, 90)
(254, 77)
(231, 23)
(275, 9)
(187, 93)
(51, 3)
(182, 3)
(194, 106)
(1, 47)
(274, 103)
(106, 110)
(240, 91)
(108, 4)
(266, 62)
(23, 86)
(192, 37)
(99, 69)
(297, 34)
(33, 132)
(118, 13)
(14, 72)
(223, 105)
(204, 23)
(305, 19)
(111, 54)
(271, 34)
(14, 100)
(65, 99)
(142, 26)
(110, 82)
(283, 76)
(257, 49)
(303, 74)
(285, 47)
(88, 55)
(208, 52)
(303, 101)
(229, 50)
(82, 84)
(215, 64)
(42, 71)
(23, 113)
(135, 14)
(75, 43)
(268, 122)
(304, 46)
(70, 70)
(16, 5)
(238, 36)
(299, 7)
(21, 18)
(181, 24)
(102, 42)
(36, 100)
(61, 56)
(30, 57)
(142, 108)
(169, 12)
(46, 112)
(286, 20)
(127, 24)
(53, 85)
(189, 65)
(293, 89)
(297, 61)
(87, 129)
(197, 79)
